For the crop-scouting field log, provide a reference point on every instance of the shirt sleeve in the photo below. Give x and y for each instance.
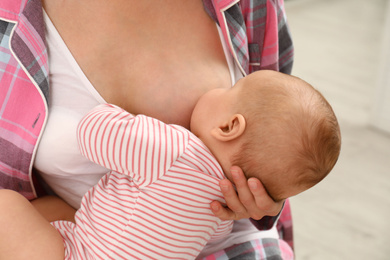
(223, 230)
(139, 146)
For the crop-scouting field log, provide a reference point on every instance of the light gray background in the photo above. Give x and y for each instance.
(339, 49)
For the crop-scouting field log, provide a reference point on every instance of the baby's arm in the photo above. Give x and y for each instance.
(104, 135)
(24, 233)
(224, 229)
(139, 146)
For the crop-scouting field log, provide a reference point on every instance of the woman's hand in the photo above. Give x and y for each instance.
(250, 199)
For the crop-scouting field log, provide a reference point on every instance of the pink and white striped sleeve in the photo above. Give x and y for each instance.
(139, 146)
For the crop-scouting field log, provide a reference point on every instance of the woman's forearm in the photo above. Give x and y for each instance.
(53, 208)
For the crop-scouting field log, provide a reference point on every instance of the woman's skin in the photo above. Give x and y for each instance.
(156, 59)
(19, 234)
(53, 208)
(250, 200)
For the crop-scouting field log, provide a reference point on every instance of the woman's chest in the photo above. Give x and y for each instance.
(153, 59)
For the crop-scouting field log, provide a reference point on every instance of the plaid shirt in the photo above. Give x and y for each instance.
(255, 30)
(23, 90)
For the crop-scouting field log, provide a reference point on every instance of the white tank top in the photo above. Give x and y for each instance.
(58, 160)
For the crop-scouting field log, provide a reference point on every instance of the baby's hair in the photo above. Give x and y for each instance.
(292, 133)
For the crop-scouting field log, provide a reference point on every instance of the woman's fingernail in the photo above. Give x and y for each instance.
(235, 175)
(215, 207)
(252, 185)
(224, 187)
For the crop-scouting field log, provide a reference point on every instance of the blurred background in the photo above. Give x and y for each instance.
(342, 47)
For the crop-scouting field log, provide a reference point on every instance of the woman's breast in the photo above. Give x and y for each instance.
(163, 77)
(169, 93)
(149, 59)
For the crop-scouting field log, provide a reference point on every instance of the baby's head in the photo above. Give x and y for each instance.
(274, 126)
(291, 139)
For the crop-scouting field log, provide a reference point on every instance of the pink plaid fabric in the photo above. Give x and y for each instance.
(259, 249)
(23, 80)
(255, 30)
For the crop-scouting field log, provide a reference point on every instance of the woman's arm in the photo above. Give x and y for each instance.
(53, 208)
(24, 233)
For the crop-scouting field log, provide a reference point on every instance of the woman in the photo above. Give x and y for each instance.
(147, 58)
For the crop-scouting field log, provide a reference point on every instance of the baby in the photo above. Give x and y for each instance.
(154, 203)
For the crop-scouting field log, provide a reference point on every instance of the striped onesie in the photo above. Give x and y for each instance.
(154, 204)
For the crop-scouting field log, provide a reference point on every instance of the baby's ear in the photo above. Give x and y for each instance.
(230, 130)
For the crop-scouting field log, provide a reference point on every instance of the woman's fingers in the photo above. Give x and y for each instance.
(265, 205)
(245, 196)
(234, 210)
(250, 199)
